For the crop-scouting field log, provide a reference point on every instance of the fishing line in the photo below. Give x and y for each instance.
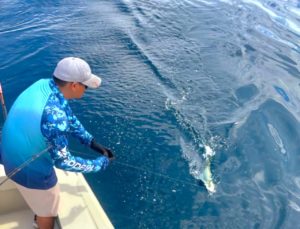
(4, 110)
(34, 157)
(145, 171)
(155, 173)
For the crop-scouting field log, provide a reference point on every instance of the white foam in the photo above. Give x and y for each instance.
(208, 151)
(294, 206)
(292, 25)
(199, 168)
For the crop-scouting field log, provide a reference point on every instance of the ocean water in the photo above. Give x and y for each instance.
(178, 76)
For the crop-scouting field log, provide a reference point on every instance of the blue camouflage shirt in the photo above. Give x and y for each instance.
(58, 121)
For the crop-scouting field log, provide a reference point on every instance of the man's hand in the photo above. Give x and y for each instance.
(108, 153)
(101, 149)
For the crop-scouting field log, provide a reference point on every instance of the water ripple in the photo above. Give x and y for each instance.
(177, 76)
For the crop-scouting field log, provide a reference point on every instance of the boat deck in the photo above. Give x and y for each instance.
(79, 207)
(24, 220)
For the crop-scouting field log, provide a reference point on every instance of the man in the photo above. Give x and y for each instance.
(39, 119)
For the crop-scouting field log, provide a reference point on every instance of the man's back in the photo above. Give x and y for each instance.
(22, 137)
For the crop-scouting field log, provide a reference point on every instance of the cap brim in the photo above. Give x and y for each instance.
(93, 82)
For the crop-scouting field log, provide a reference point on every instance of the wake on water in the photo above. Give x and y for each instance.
(199, 164)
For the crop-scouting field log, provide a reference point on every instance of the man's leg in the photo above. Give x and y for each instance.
(42, 202)
(45, 222)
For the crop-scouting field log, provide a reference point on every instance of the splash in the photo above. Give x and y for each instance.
(206, 175)
(200, 167)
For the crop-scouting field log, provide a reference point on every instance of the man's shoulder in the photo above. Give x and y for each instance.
(54, 119)
(54, 111)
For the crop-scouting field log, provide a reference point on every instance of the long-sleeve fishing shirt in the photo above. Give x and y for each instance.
(40, 119)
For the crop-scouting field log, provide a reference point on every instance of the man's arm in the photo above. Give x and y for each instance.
(63, 159)
(76, 129)
(54, 127)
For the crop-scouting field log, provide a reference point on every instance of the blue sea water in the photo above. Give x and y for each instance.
(178, 75)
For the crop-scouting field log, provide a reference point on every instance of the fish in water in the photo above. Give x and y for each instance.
(206, 175)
